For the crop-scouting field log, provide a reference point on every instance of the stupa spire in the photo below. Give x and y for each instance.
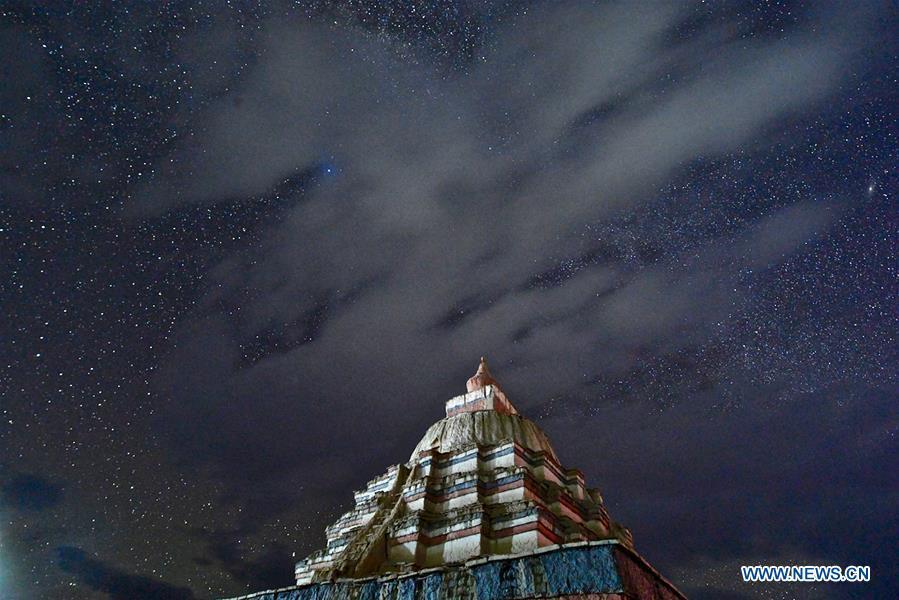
(482, 378)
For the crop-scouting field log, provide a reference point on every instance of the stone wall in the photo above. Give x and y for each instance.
(593, 570)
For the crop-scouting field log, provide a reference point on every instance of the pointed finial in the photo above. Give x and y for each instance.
(482, 378)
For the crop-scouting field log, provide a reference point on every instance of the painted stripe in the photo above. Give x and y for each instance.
(427, 540)
(569, 476)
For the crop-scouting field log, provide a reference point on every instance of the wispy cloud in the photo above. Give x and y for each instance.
(515, 207)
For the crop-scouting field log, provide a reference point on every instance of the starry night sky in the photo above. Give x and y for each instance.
(248, 250)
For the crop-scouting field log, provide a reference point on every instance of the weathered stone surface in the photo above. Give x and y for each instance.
(482, 428)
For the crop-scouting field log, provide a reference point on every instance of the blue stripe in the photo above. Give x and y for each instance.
(582, 570)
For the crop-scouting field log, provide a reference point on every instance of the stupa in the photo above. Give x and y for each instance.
(482, 510)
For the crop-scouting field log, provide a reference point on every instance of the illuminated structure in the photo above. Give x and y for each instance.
(484, 510)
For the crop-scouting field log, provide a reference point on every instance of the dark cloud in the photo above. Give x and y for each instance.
(267, 570)
(116, 583)
(31, 492)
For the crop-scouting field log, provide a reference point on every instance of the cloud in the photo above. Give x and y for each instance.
(270, 569)
(518, 207)
(31, 492)
(456, 189)
(451, 186)
(118, 584)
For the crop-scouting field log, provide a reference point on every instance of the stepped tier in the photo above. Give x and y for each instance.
(482, 510)
(482, 481)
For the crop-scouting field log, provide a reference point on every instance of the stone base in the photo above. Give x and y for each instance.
(604, 570)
